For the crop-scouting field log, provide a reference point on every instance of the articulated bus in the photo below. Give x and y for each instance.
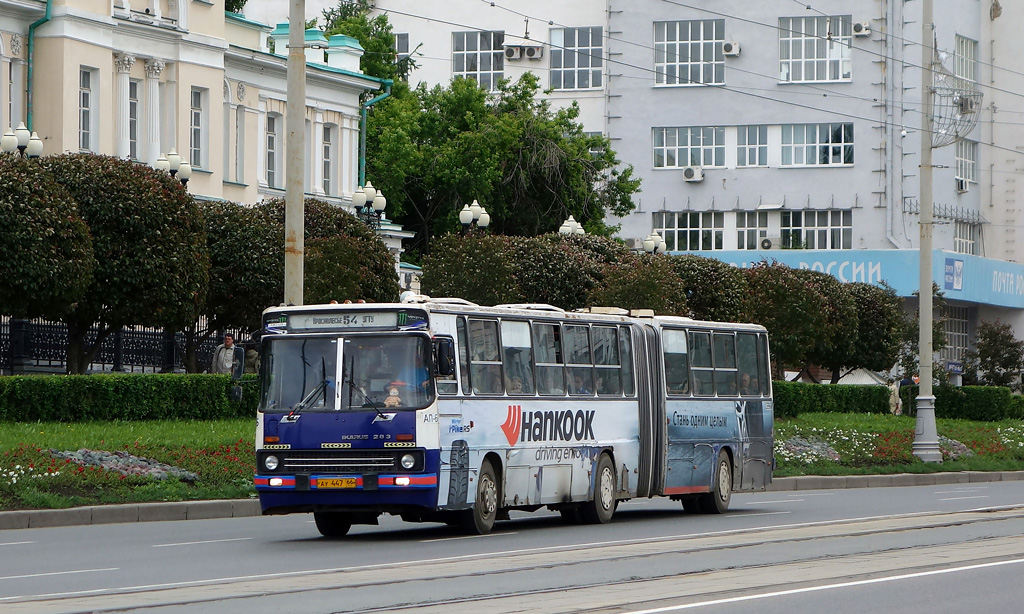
(443, 410)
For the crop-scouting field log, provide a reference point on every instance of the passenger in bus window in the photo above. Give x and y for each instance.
(415, 376)
(745, 389)
(580, 387)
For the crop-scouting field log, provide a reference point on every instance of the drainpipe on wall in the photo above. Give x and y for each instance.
(362, 127)
(31, 52)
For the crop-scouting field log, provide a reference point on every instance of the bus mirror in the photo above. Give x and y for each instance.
(444, 349)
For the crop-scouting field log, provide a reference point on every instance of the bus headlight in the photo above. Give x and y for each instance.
(271, 462)
(408, 461)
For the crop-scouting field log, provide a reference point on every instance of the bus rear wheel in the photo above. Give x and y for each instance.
(717, 501)
(332, 524)
(480, 519)
(602, 507)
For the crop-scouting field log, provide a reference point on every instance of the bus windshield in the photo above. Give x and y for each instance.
(378, 372)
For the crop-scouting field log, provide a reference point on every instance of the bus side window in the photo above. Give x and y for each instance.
(746, 359)
(608, 372)
(446, 384)
(725, 365)
(763, 365)
(578, 362)
(547, 345)
(518, 357)
(463, 355)
(485, 360)
(626, 355)
(677, 371)
(700, 361)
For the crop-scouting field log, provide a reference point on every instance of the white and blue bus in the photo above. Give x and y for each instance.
(442, 410)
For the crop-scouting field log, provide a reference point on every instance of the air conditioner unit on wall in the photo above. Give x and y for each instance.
(861, 28)
(513, 52)
(533, 53)
(731, 48)
(771, 243)
(693, 174)
(963, 186)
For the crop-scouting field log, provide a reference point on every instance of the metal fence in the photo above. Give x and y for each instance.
(40, 346)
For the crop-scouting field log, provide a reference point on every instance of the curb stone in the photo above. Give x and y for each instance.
(241, 508)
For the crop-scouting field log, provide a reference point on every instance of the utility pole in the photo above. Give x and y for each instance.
(926, 437)
(295, 154)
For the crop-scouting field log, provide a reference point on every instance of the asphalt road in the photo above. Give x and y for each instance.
(951, 548)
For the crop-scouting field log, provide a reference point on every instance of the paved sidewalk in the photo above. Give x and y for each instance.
(238, 508)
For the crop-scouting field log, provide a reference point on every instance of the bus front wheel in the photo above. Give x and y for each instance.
(480, 519)
(601, 509)
(332, 524)
(717, 501)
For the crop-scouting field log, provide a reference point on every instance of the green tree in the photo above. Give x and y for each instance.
(715, 290)
(910, 337)
(337, 239)
(880, 318)
(648, 283)
(353, 18)
(833, 345)
(555, 271)
(789, 307)
(432, 151)
(150, 262)
(474, 267)
(234, 6)
(48, 259)
(1000, 355)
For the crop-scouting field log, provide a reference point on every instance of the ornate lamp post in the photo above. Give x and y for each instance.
(654, 244)
(28, 144)
(369, 203)
(173, 164)
(474, 214)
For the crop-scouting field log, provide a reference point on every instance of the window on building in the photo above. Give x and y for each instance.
(689, 52)
(85, 110)
(955, 321)
(832, 229)
(479, 56)
(402, 45)
(966, 161)
(197, 128)
(965, 61)
(691, 146)
(752, 146)
(576, 58)
(328, 158)
(965, 237)
(817, 144)
(272, 149)
(690, 230)
(133, 119)
(595, 150)
(815, 49)
(751, 229)
(240, 143)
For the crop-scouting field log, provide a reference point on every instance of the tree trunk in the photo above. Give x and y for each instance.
(193, 339)
(80, 354)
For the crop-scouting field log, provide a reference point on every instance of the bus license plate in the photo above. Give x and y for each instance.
(335, 482)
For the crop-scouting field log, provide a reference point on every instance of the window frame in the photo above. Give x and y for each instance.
(830, 52)
(466, 49)
(796, 227)
(272, 153)
(682, 146)
(670, 49)
(707, 228)
(818, 139)
(563, 52)
(87, 116)
(199, 109)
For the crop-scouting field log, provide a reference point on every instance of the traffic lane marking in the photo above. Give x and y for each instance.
(207, 541)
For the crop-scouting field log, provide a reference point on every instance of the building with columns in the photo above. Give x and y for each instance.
(140, 78)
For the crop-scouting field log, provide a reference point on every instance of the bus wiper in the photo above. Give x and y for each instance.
(367, 401)
(315, 392)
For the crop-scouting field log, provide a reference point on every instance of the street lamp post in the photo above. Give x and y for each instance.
(173, 164)
(26, 143)
(369, 203)
(474, 214)
(571, 227)
(654, 244)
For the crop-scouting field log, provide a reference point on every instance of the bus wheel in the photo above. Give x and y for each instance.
(480, 519)
(717, 501)
(332, 524)
(600, 510)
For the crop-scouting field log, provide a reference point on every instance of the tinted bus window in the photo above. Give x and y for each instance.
(547, 343)
(517, 357)
(725, 365)
(677, 371)
(763, 365)
(580, 369)
(607, 371)
(485, 362)
(746, 359)
(700, 360)
(626, 356)
(463, 355)
(446, 384)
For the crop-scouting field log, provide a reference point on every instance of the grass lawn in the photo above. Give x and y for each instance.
(219, 452)
(221, 455)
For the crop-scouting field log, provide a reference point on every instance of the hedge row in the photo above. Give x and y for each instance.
(75, 398)
(984, 403)
(795, 398)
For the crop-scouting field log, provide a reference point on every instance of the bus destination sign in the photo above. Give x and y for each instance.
(337, 321)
